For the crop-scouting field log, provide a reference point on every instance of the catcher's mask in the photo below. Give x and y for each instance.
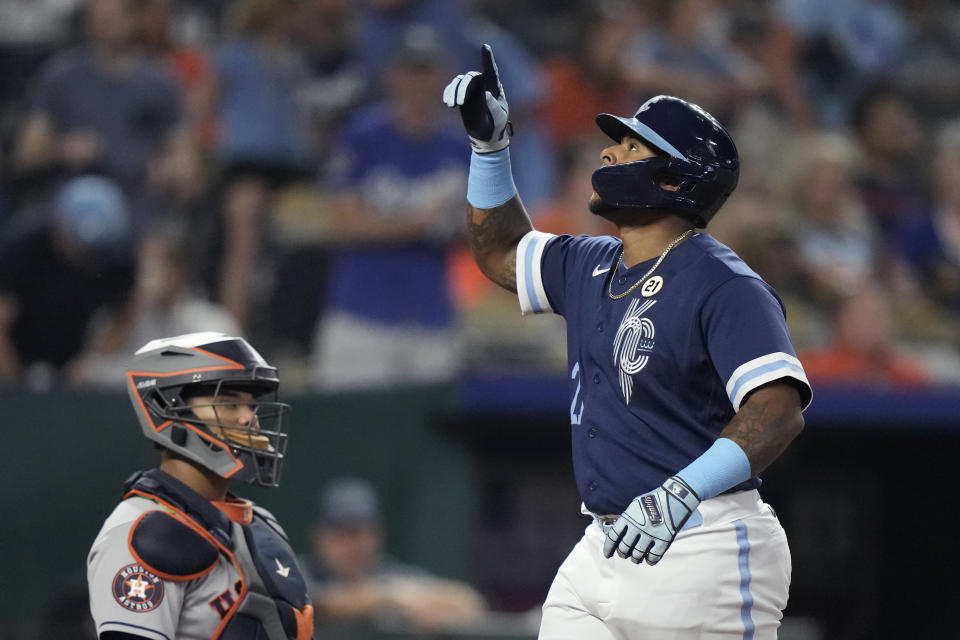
(212, 399)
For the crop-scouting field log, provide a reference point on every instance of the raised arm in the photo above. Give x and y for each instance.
(496, 218)
(494, 234)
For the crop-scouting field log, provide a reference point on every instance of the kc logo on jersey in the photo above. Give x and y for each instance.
(137, 589)
(633, 343)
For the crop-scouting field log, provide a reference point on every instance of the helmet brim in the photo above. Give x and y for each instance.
(616, 127)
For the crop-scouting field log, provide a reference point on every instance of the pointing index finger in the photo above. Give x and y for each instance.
(491, 76)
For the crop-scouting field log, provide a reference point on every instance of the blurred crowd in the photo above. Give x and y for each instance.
(285, 169)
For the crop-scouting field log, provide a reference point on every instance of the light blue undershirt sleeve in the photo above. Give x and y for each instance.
(720, 467)
(490, 182)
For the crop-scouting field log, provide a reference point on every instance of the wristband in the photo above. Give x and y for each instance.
(720, 467)
(490, 182)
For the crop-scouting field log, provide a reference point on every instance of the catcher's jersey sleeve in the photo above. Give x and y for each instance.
(128, 597)
(125, 596)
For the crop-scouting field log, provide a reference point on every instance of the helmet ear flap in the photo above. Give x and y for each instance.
(155, 404)
(668, 181)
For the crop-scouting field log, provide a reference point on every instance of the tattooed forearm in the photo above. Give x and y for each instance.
(766, 424)
(497, 228)
(494, 234)
(507, 278)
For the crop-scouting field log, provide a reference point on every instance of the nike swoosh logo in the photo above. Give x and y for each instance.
(598, 271)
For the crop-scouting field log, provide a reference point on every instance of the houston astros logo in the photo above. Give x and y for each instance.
(137, 589)
(633, 343)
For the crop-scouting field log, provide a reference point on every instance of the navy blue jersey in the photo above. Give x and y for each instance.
(657, 375)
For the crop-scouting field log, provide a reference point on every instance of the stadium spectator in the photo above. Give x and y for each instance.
(327, 33)
(258, 73)
(103, 108)
(836, 239)
(354, 580)
(820, 54)
(54, 276)
(158, 37)
(926, 74)
(676, 56)
(864, 349)
(930, 244)
(163, 303)
(396, 180)
(29, 33)
(891, 176)
(261, 143)
(336, 86)
(383, 25)
(584, 79)
(943, 262)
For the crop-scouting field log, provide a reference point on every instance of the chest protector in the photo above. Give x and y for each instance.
(272, 602)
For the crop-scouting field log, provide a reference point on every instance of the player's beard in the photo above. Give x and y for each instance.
(617, 215)
(598, 206)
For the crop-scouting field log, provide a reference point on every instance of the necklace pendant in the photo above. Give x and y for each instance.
(651, 287)
(655, 284)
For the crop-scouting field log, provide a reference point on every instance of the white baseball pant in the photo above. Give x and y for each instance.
(725, 579)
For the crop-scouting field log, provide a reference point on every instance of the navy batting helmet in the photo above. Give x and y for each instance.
(165, 375)
(696, 167)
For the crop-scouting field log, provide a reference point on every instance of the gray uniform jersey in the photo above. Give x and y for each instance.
(126, 597)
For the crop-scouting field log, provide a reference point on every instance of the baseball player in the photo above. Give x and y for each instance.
(180, 556)
(683, 381)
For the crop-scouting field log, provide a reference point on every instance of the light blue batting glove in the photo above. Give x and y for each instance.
(650, 523)
(483, 105)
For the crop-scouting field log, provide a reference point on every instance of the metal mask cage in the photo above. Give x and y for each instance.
(261, 445)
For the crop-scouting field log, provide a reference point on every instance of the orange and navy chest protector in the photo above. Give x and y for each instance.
(169, 563)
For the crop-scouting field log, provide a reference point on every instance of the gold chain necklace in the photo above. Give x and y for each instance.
(680, 238)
